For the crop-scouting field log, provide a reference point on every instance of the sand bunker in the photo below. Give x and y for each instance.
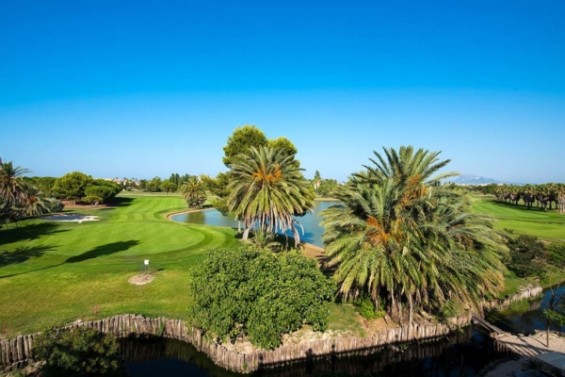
(141, 279)
(71, 218)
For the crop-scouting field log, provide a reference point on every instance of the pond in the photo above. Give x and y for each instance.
(312, 230)
(463, 353)
(528, 315)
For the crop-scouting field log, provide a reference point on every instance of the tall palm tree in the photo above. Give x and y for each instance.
(407, 241)
(267, 189)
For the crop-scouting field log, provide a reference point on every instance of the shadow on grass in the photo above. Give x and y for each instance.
(119, 202)
(16, 232)
(103, 250)
(22, 254)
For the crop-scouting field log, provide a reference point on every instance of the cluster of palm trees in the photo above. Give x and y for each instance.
(399, 237)
(408, 242)
(542, 196)
(19, 197)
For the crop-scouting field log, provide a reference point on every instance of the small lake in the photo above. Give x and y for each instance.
(310, 222)
(529, 319)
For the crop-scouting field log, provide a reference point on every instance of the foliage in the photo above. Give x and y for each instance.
(409, 242)
(242, 292)
(283, 143)
(556, 254)
(267, 189)
(193, 192)
(154, 185)
(168, 186)
(80, 351)
(366, 308)
(19, 197)
(72, 185)
(241, 140)
(526, 256)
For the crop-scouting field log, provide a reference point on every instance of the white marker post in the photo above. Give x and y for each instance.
(146, 264)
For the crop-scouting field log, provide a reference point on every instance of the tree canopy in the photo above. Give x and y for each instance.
(267, 189)
(408, 242)
(235, 293)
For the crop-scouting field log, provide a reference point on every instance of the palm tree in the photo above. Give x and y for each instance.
(17, 196)
(193, 192)
(407, 241)
(267, 189)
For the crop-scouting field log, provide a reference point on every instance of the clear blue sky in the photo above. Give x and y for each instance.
(146, 88)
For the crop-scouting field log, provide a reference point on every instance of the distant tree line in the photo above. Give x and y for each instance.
(544, 196)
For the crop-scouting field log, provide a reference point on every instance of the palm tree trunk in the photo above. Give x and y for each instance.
(245, 235)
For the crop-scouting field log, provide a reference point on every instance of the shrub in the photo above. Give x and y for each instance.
(556, 254)
(236, 293)
(80, 351)
(527, 256)
(366, 308)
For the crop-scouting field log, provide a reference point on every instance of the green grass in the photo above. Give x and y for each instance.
(53, 273)
(547, 225)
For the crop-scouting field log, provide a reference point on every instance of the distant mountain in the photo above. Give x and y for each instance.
(471, 179)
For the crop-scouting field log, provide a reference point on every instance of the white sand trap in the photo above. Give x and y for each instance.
(71, 218)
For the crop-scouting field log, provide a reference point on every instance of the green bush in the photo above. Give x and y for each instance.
(80, 351)
(366, 308)
(556, 254)
(527, 256)
(236, 293)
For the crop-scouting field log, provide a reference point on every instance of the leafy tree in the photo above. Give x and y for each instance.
(168, 186)
(80, 351)
(154, 185)
(267, 189)
(72, 185)
(236, 293)
(283, 143)
(44, 184)
(241, 140)
(408, 242)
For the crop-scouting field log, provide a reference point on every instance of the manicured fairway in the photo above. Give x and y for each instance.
(548, 225)
(53, 273)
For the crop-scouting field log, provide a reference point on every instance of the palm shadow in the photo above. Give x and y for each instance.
(103, 250)
(28, 232)
(22, 254)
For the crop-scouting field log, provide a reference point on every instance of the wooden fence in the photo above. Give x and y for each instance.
(18, 351)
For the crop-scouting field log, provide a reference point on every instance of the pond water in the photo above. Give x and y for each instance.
(461, 354)
(530, 317)
(312, 230)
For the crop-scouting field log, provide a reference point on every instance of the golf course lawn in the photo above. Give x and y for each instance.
(547, 225)
(54, 272)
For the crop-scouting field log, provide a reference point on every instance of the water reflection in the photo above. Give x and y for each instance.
(312, 230)
(463, 353)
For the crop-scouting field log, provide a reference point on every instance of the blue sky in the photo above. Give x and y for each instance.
(146, 88)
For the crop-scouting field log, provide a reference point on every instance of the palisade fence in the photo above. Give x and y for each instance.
(18, 352)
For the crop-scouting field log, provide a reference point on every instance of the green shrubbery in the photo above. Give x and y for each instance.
(80, 351)
(366, 308)
(236, 293)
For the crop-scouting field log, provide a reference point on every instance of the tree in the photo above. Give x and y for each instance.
(267, 189)
(235, 293)
(18, 196)
(241, 140)
(193, 192)
(408, 242)
(72, 185)
(154, 185)
(168, 186)
(283, 143)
